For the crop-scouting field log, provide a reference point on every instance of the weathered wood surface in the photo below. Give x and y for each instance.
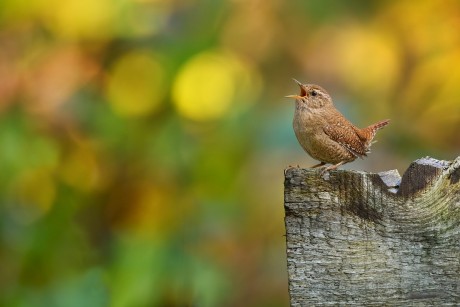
(363, 239)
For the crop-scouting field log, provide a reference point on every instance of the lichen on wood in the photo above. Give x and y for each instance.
(374, 239)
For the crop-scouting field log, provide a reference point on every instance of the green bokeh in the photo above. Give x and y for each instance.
(104, 208)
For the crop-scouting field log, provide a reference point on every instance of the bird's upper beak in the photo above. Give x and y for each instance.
(303, 92)
(298, 82)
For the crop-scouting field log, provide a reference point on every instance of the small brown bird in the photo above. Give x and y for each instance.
(324, 133)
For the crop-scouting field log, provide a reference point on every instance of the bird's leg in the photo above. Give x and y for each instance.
(332, 167)
(318, 165)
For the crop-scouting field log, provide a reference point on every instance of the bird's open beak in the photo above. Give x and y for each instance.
(303, 92)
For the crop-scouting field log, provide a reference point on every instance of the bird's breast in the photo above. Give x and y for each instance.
(306, 125)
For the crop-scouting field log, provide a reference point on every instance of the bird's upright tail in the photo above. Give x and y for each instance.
(367, 134)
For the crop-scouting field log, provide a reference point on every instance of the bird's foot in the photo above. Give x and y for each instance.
(323, 170)
(331, 167)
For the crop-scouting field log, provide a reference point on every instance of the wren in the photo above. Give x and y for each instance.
(324, 133)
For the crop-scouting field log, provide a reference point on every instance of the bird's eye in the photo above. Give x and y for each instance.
(313, 93)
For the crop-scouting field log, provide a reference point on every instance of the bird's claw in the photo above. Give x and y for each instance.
(323, 169)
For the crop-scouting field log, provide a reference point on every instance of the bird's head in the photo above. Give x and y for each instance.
(311, 96)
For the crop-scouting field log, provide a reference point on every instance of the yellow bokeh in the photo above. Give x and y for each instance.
(429, 96)
(35, 192)
(359, 46)
(208, 84)
(135, 85)
(76, 19)
(151, 213)
(79, 171)
(80, 168)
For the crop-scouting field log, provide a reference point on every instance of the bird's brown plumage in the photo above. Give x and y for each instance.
(324, 133)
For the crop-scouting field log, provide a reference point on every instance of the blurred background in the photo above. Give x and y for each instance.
(143, 142)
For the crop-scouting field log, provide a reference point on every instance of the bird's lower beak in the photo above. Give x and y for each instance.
(293, 96)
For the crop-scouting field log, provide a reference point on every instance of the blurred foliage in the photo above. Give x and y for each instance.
(143, 141)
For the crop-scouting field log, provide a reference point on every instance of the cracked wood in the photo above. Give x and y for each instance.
(364, 239)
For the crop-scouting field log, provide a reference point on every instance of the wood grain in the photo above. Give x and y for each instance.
(365, 239)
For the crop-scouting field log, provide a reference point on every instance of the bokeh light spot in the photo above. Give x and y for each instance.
(79, 18)
(134, 85)
(80, 168)
(34, 193)
(207, 85)
(358, 44)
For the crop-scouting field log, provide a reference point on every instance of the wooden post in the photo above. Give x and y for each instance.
(364, 239)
